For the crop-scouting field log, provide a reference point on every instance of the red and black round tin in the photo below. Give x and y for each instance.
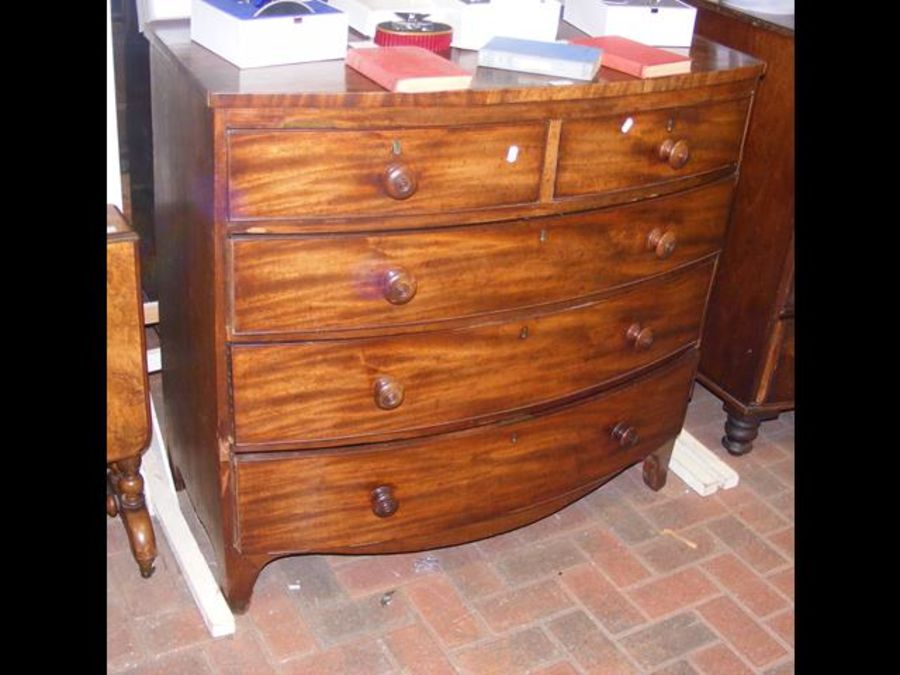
(429, 35)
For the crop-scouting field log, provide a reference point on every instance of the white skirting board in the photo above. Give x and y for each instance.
(699, 467)
(162, 502)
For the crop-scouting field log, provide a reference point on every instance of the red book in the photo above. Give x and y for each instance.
(636, 58)
(408, 69)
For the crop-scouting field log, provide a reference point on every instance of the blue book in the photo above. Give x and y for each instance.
(557, 59)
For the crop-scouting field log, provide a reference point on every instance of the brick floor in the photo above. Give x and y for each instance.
(596, 588)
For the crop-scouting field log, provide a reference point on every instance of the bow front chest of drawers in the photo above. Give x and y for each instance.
(393, 322)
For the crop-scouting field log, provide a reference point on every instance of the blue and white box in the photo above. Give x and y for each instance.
(558, 59)
(245, 34)
(660, 23)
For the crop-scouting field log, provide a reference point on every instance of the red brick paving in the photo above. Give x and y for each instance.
(719, 660)
(676, 591)
(747, 636)
(612, 556)
(740, 580)
(595, 589)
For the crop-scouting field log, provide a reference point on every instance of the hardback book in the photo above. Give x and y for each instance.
(408, 69)
(558, 59)
(636, 58)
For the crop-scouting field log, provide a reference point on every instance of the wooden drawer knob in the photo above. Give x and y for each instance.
(641, 338)
(663, 243)
(676, 153)
(399, 181)
(384, 503)
(388, 393)
(399, 286)
(625, 435)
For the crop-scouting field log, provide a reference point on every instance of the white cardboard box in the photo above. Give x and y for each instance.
(365, 15)
(473, 23)
(662, 23)
(227, 28)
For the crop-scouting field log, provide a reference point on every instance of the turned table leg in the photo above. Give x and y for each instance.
(128, 501)
(740, 430)
(656, 466)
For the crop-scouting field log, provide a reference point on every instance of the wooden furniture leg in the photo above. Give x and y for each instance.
(740, 430)
(656, 466)
(128, 501)
(241, 574)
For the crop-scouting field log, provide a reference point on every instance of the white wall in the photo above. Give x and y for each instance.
(113, 175)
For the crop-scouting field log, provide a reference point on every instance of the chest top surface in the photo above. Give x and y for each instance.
(331, 83)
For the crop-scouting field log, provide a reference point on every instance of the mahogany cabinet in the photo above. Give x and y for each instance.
(748, 343)
(393, 322)
(127, 389)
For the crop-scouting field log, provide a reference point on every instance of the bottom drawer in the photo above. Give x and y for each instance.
(428, 488)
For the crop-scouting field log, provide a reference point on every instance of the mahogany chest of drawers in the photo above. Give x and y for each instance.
(393, 322)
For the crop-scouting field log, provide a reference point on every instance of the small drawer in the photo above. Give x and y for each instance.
(312, 174)
(360, 282)
(426, 490)
(338, 391)
(614, 153)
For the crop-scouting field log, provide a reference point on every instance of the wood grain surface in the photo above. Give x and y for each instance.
(127, 398)
(599, 155)
(306, 286)
(323, 391)
(756, 268)
(308, 173)
(322, 501)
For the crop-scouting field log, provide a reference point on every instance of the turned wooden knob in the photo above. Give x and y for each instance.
(640, 337)
(384, 503)
(388, 393)
(676, 153)
(399, 286)
(625, 435)
(662, 242)
(399, 181)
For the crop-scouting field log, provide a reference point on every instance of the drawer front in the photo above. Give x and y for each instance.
(334, 174)
(335, 391)
(364, 282)
(325, 501)
(608, 153)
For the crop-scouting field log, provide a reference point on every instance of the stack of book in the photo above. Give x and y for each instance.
(414, 69)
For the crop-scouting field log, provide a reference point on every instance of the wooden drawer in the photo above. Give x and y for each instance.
(357, 282)
(597, 155)
(334, 174)
(323, 501)
(327, 391)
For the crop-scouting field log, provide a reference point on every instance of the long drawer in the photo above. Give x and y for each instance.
(340, 499)
(358, 282)
(321, 173)
(337, 391)
(618, 152)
